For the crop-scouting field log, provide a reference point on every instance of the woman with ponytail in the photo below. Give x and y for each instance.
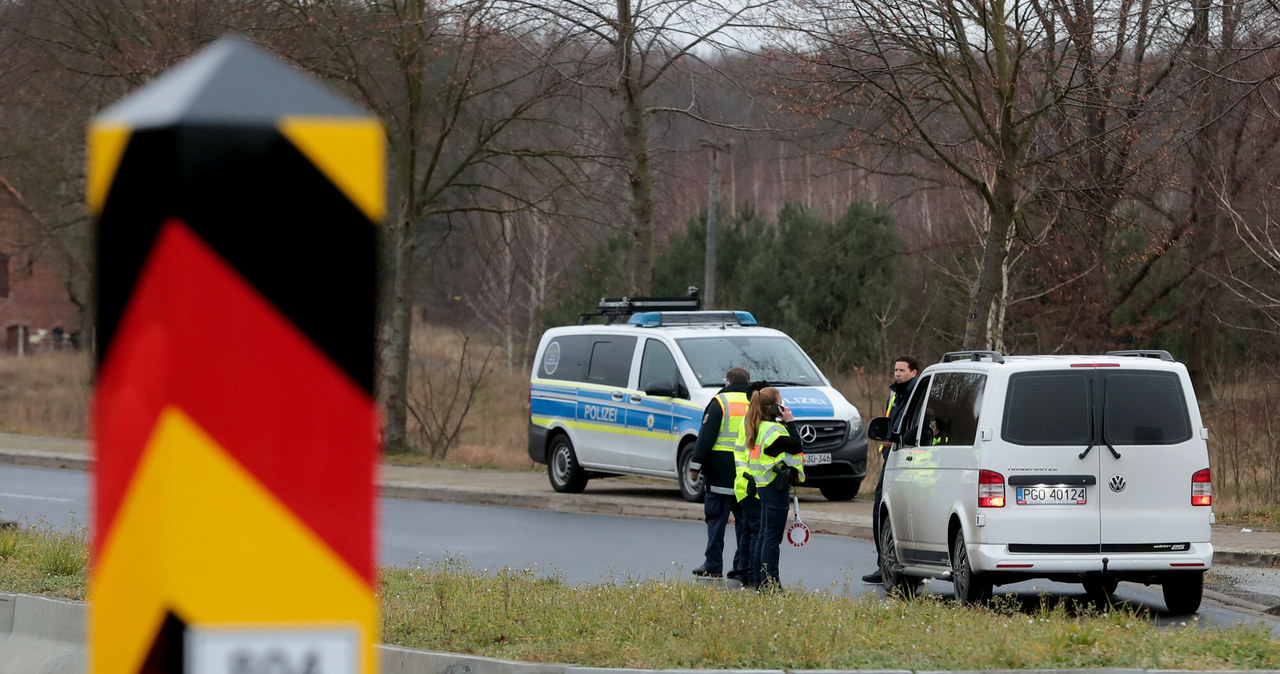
(770, 460)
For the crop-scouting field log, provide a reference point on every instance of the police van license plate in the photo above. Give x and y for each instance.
(1051, 495)
(816, 459)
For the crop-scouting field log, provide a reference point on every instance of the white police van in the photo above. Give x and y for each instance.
(1085, 469)
(627, 399)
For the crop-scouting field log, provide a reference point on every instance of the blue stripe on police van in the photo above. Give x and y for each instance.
(806, 402)
(550, 407)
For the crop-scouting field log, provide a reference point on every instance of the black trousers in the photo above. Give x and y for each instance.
(717, 508)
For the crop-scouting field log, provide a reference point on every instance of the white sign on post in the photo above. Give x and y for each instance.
(274, 650)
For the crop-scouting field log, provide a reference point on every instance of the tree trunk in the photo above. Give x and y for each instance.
(713, 208)
(395, 367)
(640, 174)
(1000, 206)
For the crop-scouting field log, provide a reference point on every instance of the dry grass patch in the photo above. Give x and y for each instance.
(46, 393)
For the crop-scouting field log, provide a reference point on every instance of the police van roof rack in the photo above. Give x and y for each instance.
(613, 308)
(1145, 353)
(975, 356)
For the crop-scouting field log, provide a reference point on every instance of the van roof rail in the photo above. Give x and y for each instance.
(975, 356)
(613, 308)
(1145, 353)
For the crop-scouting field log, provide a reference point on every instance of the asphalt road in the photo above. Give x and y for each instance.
(587, 548)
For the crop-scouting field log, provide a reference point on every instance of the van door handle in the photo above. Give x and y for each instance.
(617, 395)
(635, 399)
(911, 458)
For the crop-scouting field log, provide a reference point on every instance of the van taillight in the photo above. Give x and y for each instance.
(1201, 488)
(990, 489)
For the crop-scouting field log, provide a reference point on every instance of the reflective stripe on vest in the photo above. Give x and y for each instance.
(733, 409)
(759, 466)
(740, 464)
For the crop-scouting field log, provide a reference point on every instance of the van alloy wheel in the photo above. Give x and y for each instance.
(894, 582)
(970, 587)
(693, 491)
(562, 468)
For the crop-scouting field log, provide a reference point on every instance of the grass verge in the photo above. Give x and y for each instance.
(43, 560)
(665, 624)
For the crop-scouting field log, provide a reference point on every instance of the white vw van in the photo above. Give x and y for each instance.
(1088, 469)
(627, 398)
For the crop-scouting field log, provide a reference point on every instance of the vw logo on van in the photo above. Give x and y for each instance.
(808, 434)
(1117, 483)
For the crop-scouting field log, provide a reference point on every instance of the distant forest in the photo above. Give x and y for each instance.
(883, 176)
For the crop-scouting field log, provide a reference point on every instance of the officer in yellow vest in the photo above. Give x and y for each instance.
(774, 462)
(713, 461)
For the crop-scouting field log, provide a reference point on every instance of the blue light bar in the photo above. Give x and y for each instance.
(745, 318)
(647, 319)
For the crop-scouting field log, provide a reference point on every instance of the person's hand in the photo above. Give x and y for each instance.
(693, 475)
(785, 413)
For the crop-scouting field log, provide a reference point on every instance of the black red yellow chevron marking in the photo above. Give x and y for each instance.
(234, 420)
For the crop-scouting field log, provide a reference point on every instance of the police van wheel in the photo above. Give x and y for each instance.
(566, 475)
(843, 490)
(693, 491)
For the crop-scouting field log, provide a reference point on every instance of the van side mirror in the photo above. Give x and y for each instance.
(664, 389)
(879, 430)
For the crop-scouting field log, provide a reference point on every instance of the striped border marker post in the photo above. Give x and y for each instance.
(236, 201)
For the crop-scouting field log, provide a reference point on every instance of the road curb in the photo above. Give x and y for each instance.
(20, 457)
(39, 634)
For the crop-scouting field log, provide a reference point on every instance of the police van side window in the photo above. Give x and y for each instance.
(658, 365)
(1048, 408)
(951, 415)
(1145, 408)
(565, 358)
(610, 363)
(914, 414)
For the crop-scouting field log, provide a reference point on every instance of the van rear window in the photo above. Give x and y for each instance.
(1145, 408)
(1048, 408)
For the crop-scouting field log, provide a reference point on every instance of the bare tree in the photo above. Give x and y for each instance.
(463, 98)
(633, 51)
(467, 101)
(1038, 108)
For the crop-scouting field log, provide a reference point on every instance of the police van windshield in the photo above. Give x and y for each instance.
(775, 359)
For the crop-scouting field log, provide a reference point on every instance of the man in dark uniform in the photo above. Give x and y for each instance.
(905, 369)
(713, 460)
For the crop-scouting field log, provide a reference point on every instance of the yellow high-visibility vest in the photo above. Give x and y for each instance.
(758, 466)
(733, 409)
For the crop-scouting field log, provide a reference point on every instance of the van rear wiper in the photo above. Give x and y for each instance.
(1087, 450)
(1113, 449)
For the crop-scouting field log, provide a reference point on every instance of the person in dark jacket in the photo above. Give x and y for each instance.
(905, 369)
(713, 461)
